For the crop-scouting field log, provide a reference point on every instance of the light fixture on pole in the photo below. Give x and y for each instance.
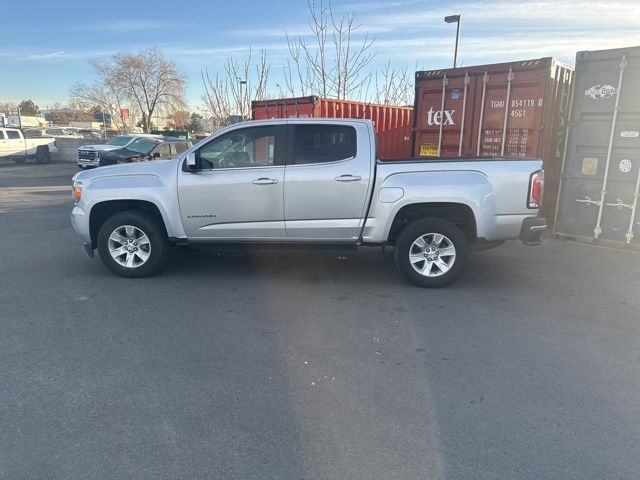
(454, 19)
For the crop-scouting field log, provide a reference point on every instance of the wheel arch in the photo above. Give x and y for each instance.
(459, 214)
(101, 211)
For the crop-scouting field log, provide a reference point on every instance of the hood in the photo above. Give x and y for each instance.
(159, 168)
(99, 148)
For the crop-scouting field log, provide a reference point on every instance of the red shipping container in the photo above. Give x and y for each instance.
(464, 111)
(393, 124)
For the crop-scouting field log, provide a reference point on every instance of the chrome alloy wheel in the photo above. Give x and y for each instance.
(432, 255)
(129, 246)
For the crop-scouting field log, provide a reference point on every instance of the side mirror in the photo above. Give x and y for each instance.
(156, 155)
(191, 161)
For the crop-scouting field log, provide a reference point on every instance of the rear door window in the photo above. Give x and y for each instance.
(323, 143)
(179, 147)
(162, 151)
(13, 135)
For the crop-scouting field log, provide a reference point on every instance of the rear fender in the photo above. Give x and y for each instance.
(469, 188)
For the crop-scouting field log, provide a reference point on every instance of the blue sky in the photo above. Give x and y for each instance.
(46, 46)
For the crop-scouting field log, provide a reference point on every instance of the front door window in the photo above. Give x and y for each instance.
(244, 148)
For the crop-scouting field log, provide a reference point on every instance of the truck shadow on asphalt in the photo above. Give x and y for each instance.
(367, 266)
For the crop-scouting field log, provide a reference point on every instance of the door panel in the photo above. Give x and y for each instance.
(15, 144)
(227, 204)
(237, 193)
(326, 201)
(4, 148)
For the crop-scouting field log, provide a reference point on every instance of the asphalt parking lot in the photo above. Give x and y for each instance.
(315, 365)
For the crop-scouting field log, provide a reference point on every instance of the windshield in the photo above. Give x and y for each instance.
(142, 145)
(119, 141)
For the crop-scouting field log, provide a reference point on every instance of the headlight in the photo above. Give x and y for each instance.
(77, 191)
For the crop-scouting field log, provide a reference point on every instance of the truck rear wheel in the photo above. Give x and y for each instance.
(133, 244)
(43, 155)
(431, 253)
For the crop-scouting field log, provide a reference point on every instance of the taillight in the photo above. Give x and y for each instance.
(536, 188)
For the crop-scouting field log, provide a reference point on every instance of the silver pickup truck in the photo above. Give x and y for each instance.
(314, 182)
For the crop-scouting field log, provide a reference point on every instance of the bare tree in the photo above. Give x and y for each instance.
(59, 114)
(8, 108)
(105, 94)
(230, 93)
(180, 119)
(150, 80)
(147, 80)
(394, 86)
(331, 62)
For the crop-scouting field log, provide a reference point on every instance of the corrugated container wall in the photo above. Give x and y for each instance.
(601, 170)
(392, 123)
(465, 111)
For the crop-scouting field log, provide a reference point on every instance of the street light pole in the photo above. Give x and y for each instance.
(454, 19)
(242, 82)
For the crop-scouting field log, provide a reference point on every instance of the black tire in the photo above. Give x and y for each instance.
(43, 155)
(423, 228)
(151, 227)
(19, 161)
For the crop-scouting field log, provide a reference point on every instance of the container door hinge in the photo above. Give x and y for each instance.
(620, 204)
(588, 201)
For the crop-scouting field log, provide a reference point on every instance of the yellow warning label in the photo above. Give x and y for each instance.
(429, 150)
(589, 166)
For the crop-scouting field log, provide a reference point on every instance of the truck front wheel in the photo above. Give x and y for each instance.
(133, 244)
(431, 252)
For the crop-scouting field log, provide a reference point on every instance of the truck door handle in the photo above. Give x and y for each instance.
(348, 178)
(265, 181)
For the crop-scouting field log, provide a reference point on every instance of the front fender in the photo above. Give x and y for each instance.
(137, 187)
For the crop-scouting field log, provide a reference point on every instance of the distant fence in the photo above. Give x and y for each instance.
(68, 148)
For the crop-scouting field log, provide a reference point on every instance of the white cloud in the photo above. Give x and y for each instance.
(124, 26)
(504, 14)
(53, 55)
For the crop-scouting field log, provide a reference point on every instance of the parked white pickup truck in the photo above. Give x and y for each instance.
(13, 146)
(310, 182)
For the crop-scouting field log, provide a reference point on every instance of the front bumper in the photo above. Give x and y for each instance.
(88, 247)
(532, 229)
(88, 163)
(80, 223)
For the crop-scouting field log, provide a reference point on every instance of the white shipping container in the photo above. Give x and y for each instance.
(26, 121)
(87, 125)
